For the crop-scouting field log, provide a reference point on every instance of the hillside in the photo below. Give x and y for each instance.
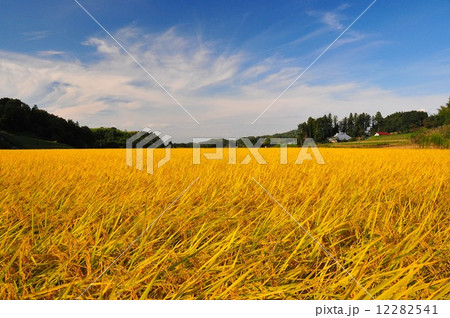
(396, 140)
(26, 127)
(13, 141)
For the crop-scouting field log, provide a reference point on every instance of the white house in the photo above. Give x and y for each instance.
(341, 136)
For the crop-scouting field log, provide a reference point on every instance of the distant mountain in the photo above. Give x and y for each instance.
(211, 143)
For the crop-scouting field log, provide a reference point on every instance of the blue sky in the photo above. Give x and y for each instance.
(224, 61)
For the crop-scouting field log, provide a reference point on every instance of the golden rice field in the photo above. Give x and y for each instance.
(66, 215)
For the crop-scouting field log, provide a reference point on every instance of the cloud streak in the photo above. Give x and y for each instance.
(51, 53)
(35, 35)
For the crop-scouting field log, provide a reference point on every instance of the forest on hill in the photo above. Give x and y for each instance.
(17, 117)
(362, 125)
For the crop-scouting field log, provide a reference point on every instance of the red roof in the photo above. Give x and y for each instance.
(383, 133)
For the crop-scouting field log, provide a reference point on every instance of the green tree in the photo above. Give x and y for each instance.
(350, 125)
(377, 121)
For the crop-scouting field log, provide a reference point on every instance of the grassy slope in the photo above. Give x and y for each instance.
(374, 142)
(13, 141)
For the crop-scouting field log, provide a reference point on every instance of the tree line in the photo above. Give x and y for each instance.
(361, 125)
(19, 118)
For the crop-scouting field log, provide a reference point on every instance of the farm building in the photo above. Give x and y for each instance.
(382, 133)
(341, 136)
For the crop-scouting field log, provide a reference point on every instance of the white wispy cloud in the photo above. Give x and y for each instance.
(224, 91)
(332, 19)
(35, 35)
(51, 53)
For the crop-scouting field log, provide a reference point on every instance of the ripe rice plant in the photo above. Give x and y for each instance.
(67, 215)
